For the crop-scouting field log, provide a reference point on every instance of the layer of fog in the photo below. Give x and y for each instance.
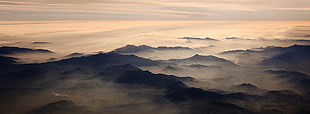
(65, 38)
(88, 93)
(96, 95)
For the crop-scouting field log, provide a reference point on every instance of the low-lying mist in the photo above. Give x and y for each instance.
(119, 82)
(156, 68)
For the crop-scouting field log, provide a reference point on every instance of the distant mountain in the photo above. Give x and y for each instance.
(198, 57)
(13, 50)
(33, 75)
(113, 72)
(285, 97)
(171, 68)
(269, 50)
(295, 57)
(246, 88)
(295, 80)
(172, 48)
(15, 75)
(145, 48)
(197, 66)
(62, 107)
(22, 77)
(270, 102)
(195, 38)
(203, 60)
(232, 38)
(303, 40)
(113, 68)
(7, 63)
(74, 55)
(276, 52)
(200, 66)
(7, 60)
(150, 79)
(104, 60)
(291, 58)
(40, 43)
(183, 94)
(202, 102)
(238, 51)
(128, 74)
(133, 49)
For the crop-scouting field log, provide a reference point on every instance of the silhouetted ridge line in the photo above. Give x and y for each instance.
(104, 60)
(13, 50)
(145, 48)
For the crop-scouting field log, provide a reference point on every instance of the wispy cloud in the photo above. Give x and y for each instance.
(155, 10)
(306, 9)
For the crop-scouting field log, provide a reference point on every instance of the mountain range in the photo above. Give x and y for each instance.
(117, 74)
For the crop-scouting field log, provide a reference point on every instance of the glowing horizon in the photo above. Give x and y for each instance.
(94, 36)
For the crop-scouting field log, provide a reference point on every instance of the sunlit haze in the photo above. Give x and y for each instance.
(154, 57)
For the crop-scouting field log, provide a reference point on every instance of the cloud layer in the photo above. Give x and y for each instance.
(154, 10)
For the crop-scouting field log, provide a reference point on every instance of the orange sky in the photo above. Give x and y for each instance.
(228, 10)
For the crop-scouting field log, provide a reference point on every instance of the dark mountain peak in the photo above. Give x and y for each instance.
(40, 43)
(7, 63)
(63, 103)
(124, 67)
(131, 75)
(143, 48)
(290, 48)
(7, 60)
(198, 57)
(62, 107)
(299, 50)
(196, 38)
(297, 80)
(12, 50)
(133, 46)
(246, 88)
(295, 57)
(171, 68)
(150, 79)
(233, 38)
(198, 66)
(55, 106)
(103, 60)
(282, 93)
(113, 72)
(271, 49)
(238, 51)
(204, 60)
(208, 58)
(172, 48)
(132, 49)
(286, 74)
(299, 46)
(208, 38)
(246, 85)
(75, 55)
(191, 93)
